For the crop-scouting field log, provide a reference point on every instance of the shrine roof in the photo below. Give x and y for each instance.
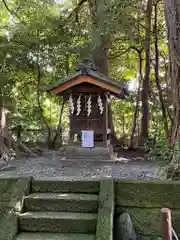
(86, 71)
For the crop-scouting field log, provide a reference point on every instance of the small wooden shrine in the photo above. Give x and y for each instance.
(88, 93)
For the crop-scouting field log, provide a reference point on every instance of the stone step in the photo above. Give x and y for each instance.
(65, 186)
(58, 222)
(61, 202)
(54, 236)
(98, 152)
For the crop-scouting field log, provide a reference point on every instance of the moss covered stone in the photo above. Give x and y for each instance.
(62, 222)
(106, 210)
(20, 189)
(12, 191)
(146, 221)
(6, 185)
(66, 186)
(147, 194)
(54, 236)
(8, 225)
(71, 202)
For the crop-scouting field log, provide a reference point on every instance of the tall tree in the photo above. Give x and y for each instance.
(172, 14)
(145, 84)
(100, 38)
(156, 70)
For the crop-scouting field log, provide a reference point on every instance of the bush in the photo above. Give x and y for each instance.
(159, 151)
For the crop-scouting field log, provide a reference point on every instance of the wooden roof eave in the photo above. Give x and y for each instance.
(87, 79)
(50, 87)
(115, 87)
(103, 77)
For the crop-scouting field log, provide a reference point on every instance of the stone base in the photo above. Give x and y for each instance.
(96, 153)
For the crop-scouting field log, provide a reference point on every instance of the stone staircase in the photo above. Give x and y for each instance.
(60, 210)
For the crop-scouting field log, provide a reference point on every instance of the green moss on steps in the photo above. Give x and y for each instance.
(61, 222)
(106, 211)
(54, 236)
(64, 202)
(66, 186)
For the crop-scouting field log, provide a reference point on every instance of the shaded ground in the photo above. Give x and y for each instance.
(128, 166)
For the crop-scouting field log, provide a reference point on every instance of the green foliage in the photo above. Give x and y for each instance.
(160, 151)
(41, 33)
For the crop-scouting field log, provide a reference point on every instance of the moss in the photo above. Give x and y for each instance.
(106, 211)
(20, 189)
(70, 202)
(147, 193)
(12, 191)
(147, 220)
(58, 222)
(66, 186)
(6, 185)
(54, 236)
(8, 225)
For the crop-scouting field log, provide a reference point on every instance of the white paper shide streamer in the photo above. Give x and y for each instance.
(78, 105)
(100, 104)
(89, 102)
(71, 104)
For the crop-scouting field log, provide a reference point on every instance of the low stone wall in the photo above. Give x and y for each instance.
(12, 191)
(143, 201)
(104, 229)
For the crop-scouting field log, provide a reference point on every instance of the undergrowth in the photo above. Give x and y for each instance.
(158, 150)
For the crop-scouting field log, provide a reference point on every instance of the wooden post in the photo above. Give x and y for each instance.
(166, 225)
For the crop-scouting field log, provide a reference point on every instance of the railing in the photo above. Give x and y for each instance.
(168, 232)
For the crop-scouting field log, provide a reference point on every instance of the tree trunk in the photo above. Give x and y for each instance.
(1, 133)
(100, 42)
(136, 112)
(49, 138)
(156, 70)
(58, 136)
(169, 100)
(2, 123)
(100, 47)
(145, 84)
(172, 14)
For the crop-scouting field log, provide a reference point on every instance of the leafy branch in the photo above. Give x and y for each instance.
(13, 13)
(76, 10)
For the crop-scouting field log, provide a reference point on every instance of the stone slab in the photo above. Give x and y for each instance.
(66, 186)
(66, 202)
(58, 222)
(148, 194)
(54, 236)
(97, 153)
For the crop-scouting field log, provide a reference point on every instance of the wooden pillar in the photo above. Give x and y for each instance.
(166, 225)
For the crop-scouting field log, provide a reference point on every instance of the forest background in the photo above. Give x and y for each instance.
(134, 41)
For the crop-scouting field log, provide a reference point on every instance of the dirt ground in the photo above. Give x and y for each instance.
(130, 165)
